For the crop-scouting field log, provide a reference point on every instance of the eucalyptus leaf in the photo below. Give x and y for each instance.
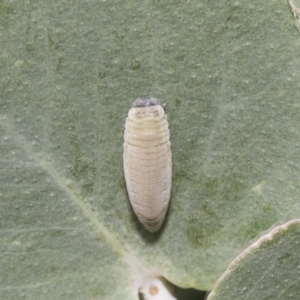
(229, 74)
(268, 269)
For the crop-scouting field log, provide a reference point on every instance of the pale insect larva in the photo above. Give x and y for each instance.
(147, 162)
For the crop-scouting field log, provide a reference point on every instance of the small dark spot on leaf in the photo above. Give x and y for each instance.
(135, 65)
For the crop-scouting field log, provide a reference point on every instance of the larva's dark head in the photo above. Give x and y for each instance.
(145, 102)
(145, 110)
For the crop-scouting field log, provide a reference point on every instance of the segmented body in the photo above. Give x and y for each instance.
(147, 162)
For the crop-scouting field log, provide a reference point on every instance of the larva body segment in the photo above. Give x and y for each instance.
(147, 162)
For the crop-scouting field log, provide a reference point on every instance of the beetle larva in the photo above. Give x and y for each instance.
(147, 162)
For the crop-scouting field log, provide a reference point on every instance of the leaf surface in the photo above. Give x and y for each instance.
(268, 269)
(229, 74)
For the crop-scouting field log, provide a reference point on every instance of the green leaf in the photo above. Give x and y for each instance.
(229, 74)
(268, 269)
